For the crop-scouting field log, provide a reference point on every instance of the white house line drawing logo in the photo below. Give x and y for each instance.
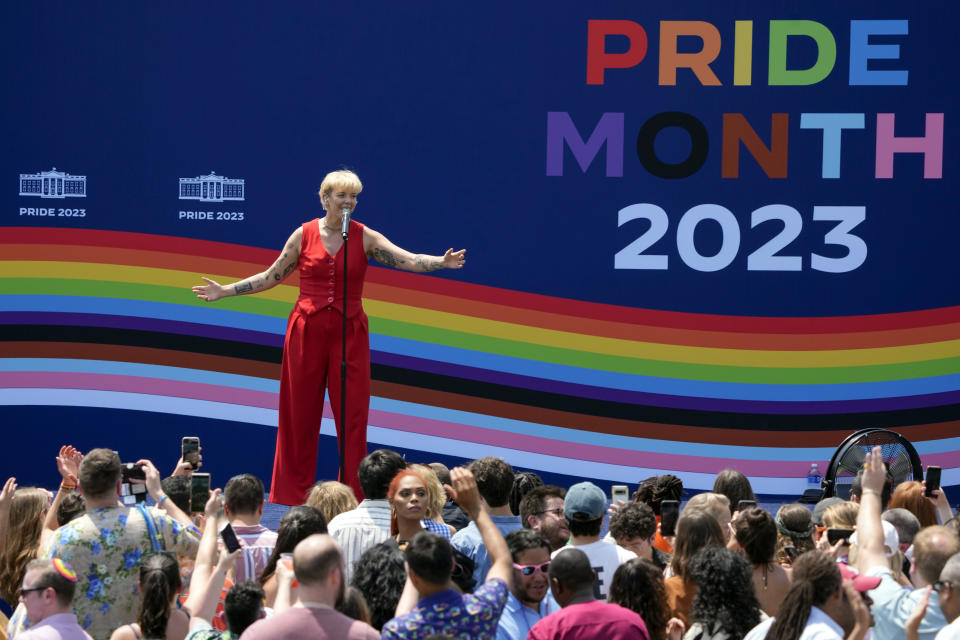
(211, 188)
(53, 184)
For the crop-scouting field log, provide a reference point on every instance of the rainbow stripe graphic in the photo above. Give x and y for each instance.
(106, 319)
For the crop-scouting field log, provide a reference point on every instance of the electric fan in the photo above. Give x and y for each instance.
(903, 462)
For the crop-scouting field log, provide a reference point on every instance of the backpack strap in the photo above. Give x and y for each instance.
(151, 528)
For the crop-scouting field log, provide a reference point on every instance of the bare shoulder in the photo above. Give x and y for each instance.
(371, 239)
(123, 633)
(781, 575)
(294, 242)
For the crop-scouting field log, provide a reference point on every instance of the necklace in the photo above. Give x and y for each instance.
(329, 227)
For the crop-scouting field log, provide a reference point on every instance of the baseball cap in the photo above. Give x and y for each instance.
(585, 501)
(891, 539)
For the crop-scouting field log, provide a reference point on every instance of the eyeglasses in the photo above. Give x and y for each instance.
(24, 592)
(557, 512)
(530, 569)
(938, 585)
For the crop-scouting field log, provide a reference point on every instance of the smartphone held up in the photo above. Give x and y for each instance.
(669, 514)
(190, 451)
(932, 481)
(199, 492)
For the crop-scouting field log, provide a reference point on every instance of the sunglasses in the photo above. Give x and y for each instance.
(557, 512)
(530, 569)
(938, 586)
(24, 592)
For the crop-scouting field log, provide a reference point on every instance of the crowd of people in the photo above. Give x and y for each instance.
(477, 552)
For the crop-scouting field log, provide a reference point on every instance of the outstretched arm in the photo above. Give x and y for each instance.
(869, 529)
(377, 245)
(278, 271)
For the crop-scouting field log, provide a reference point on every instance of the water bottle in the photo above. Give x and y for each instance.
(813, 477)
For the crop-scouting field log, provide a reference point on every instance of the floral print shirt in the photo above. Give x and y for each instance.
(104, 547)
(471, 616)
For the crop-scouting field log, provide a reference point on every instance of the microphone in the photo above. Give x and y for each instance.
(345, 227)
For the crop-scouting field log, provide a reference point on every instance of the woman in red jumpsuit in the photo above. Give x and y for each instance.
(312, 348)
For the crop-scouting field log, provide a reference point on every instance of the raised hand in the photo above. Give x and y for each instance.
(68, 464)
(153, 478)
(227, 559)
(874, 473)
(184, 468)
(464, 491)
(211, 291)
(6, 495)
(212, 508)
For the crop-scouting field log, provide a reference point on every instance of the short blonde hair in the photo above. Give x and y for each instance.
(438, 496)
(714, 503)
(340, 179)
(842, 515)
(331, 498)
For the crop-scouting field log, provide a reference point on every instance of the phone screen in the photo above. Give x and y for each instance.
(933, 480)
(669, 513)
(833, 535)
(618, 492)
(230, 540)
(190, 451)
(199, 492)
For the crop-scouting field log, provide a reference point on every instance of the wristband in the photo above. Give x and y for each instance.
(162, 497)
(873, 491)
(68, 487)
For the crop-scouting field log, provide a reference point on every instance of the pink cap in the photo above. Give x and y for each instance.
(860, 581)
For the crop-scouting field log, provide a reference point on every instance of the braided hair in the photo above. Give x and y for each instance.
(816, 577)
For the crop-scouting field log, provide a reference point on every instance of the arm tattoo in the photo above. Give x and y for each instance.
(427, 265)
(243, 287)
(385, 257)
(290, 267)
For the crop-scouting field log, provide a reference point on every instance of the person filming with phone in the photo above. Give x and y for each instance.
(243, 507)
(107, 544)
(933, 546)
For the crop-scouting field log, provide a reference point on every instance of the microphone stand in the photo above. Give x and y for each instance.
(342, 436)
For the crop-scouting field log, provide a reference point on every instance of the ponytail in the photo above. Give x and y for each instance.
(154, 605)
(793, 613)
(816, 578)
(159, 584)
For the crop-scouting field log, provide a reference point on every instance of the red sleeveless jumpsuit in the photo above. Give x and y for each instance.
(311, 363)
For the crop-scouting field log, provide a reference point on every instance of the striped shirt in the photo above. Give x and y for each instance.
(359, 529)
(258, 543)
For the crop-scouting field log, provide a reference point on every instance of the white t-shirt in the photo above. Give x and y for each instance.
(605, 557)
(950, 632)
(819, 626)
